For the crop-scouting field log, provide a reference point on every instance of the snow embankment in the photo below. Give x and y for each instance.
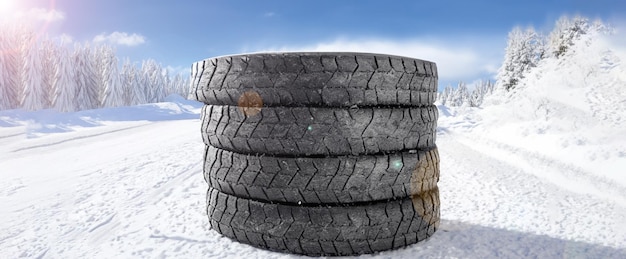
(41, 122)
(570, 111)
(559, 139)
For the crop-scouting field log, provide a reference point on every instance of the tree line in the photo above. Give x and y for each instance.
(37, 72)
(526, 48)
(462, 96)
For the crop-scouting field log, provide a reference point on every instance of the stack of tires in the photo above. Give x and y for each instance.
(320, 153)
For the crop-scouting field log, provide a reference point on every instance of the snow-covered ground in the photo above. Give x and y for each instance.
(537, 173)
(127, 183)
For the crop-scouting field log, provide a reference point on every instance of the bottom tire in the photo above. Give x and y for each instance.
(348, 229)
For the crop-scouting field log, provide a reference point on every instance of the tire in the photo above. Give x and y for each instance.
(315, 80)
(350, 229)
(305, 131)
(323, 180)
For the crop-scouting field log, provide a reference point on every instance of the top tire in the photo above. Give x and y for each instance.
(315, 80)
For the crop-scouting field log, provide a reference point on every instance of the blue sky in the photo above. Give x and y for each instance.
(465, 38)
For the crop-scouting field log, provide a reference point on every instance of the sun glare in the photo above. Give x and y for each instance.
(6, 6)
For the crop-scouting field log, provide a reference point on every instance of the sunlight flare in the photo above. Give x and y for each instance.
(7, 6)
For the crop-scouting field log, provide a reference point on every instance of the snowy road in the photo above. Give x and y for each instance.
(135, 189)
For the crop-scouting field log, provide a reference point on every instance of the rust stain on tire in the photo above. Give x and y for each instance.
(425, 175)
(250, 103)
(426, 205)
(424, 190)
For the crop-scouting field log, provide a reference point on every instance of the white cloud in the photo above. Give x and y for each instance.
(121, 38)
(41, 14)
(269, 14)
(460, 59)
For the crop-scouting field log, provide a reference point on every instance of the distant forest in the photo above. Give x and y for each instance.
(40, 73)
(37, 73)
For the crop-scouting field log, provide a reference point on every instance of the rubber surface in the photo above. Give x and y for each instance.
(325, 230)
(316, 79)
(305, 131)
(323, 180)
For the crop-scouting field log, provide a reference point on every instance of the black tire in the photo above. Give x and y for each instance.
(315, 80)
(350, 229)
(323, 180)
(305, 131)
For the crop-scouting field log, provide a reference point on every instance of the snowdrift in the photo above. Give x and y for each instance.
(571, 110)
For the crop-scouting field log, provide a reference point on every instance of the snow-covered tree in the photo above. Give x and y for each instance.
(168, 88)
(86, 77)
(34, 95)
(482, 89)
(126, 80)
(112, 95)
(443, 96)
(37, 72)
(152, 74)
(180, 85)
(50, 60)
(64, 83)
(102, 56)
(189, 88)
(460, 96)
(10, 76)
(566, 31)
(133, 90)
(524, 51)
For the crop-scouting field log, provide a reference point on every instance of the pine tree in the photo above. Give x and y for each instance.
(86, 77)
(566, 31)
(479, 93)
(186, 88)
(476, 96)
(50, 61)
(157, 83)
(152, 73)
(102, 56)
(168, 88)
(524, 51)
(126, 80)
(489, 88)
(113, 92)
(10, 77)
(445, 95)
(65, 83)
(140, 89)
(462, 95)
(180, 85)
(189, 93)
(33, 95)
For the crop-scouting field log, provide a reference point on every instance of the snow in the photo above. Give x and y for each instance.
(539, 172)
(127, 182)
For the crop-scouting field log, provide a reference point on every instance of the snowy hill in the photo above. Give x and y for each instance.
(127, 183)
(571, 109)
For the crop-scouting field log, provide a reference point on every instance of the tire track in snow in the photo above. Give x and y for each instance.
(12, 135)
(78, 138)
(479, 188)
(559, 173)
(115, 202)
